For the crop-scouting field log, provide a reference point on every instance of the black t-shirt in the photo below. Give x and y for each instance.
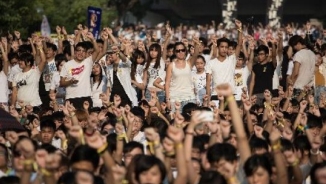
(117, 88)
(263, 77)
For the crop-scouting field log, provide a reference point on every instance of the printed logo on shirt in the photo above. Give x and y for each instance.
(238, 79)
(77, 71)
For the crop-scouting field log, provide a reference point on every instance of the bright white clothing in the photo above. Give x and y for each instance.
(4, 91)
(199, 81)
(154, 73)
(97, 90)
(13, 71)
(123, 75)
(181, 86)
(307, 60)
(48, 73)
(222, 71)
(55, 82)
(240, 79)
(290, 68)
(277, 72)
(27, 84)
(81, 72)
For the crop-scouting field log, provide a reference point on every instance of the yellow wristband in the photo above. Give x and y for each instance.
(178, 145)
(102, 149)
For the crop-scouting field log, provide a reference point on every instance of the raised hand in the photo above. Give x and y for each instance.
(90, 36)
(224, 90)
(176, 134)
(58, 29)
(17, 34)
(238, 24)
(95, 141)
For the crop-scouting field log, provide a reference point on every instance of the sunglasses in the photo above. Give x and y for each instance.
(16, 153)
(180, 50)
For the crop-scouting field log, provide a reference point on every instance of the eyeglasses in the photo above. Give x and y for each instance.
(180, 50)
(16, 153)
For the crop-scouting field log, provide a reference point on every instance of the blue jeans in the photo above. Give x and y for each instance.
(318, 91)
(160, 96)
(183, 103)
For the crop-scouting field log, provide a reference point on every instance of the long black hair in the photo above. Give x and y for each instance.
(157, 47)
(137, 54)
(101, 75)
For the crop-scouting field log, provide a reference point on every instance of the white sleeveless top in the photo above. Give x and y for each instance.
(181, 87)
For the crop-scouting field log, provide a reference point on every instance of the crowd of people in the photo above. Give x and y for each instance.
(167, 105)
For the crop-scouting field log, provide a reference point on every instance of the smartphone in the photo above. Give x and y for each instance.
(207, 116)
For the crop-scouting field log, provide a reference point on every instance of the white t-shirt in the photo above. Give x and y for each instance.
(240, 81)
(97, 90)
(199, 81)
(290, 68)
(81, 72)
(307, 60)
(154, 73)
(4, 91)
(48, 72)
(55, 82)
(222, 72)
(27, 84)
(13, 71)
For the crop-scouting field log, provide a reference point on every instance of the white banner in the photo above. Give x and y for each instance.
(45, 27)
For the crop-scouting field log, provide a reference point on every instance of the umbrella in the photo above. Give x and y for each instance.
(8, 122)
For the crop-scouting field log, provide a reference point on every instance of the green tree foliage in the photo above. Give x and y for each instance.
(26, 15)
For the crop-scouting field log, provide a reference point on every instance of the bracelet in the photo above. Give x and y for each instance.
(170, 154)
(233, 179)
(120, 119)
(230, 99)
(178, 145)
(122, 137)
(64, 144)
(316, 153)
(277, 146)
(295, 163)
(45, 172)
(72, 115)
(124, 181)
(240, 30)
(102, 149)
(300, 128)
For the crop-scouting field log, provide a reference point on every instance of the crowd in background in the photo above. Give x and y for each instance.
(157, 105)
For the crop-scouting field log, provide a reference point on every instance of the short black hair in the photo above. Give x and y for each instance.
(145, 162)
(85, 153)
(263, 48)
(27, 58)
(294, 40)
(221, 40)
(209, 177)
(301, 143)
(132, 145)
(256, 161)
(220, 151)
(51, 46)
(48, 123)
(314, 121)
(258, 143)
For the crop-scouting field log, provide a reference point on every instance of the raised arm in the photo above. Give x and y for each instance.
(166, 41)
(96, 49)
(243, 145)
(42, 63)
(60, 39)
(5, 62)
(239, 28)
(196, 53)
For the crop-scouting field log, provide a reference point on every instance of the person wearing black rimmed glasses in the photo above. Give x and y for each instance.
(75, 74)
(178, 81)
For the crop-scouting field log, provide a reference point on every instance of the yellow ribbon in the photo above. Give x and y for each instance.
(123, 136)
